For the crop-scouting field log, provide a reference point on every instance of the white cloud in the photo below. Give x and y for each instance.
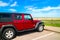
(43, 9)
(13, 10)
(44, 12)
(14, 4)
(3, 4)
(50, 8)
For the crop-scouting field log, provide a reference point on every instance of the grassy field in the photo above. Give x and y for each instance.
(55, 23)
(50, 21)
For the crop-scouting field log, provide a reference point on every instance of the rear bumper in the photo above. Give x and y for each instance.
(0, 32)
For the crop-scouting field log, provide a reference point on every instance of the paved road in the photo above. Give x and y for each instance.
(50, 33)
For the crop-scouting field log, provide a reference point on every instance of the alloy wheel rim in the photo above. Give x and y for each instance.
(9, 34)
(40, 28)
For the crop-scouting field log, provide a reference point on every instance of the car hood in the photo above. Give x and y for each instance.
(35, 21)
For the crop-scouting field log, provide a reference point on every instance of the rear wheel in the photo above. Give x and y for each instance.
(40, 28)
(8, 34)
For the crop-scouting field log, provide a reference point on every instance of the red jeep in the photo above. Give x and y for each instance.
(11, 23)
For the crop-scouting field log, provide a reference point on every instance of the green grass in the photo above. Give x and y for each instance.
(55, 23)
(50, 21)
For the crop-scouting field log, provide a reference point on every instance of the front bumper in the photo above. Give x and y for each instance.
(42, 23)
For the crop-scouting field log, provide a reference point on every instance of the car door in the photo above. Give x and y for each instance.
(28, 22)
(18, 21)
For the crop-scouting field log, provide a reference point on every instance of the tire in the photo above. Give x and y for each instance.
(8, 34)
(40, 28)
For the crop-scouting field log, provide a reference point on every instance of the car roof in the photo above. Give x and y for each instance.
(13, 13)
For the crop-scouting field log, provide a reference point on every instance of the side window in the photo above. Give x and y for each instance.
(18, 17)
(27, 17)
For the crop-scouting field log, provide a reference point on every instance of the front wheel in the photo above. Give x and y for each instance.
(40, 28)
(8, 34)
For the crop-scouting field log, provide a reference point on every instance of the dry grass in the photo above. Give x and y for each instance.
(46, 18)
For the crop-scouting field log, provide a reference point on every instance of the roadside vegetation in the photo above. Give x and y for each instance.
(55, 23)
(50, 21)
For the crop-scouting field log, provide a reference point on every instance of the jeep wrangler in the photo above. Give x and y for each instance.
(11, 23)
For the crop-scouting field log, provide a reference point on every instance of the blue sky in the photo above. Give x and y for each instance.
(38, 8)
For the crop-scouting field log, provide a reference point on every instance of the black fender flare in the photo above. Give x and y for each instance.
(6, 26)
(41, 23)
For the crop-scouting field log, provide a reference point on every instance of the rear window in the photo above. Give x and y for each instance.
(5, 15)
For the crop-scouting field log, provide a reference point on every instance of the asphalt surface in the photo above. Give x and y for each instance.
(50, 33)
